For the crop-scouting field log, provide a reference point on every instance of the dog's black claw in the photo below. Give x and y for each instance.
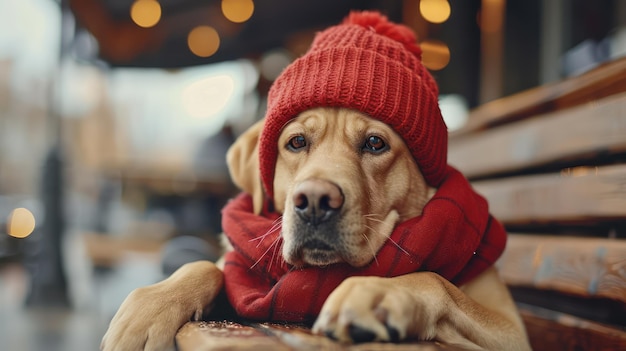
(358, 334)
(394, 334)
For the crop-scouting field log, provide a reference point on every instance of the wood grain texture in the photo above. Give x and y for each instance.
(594, 127)
(205, 336)
(224, 335)
(583, 193)
(583, 266)
(549, 331)
(603, 81)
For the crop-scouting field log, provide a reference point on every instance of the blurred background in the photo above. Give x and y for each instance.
(115, 116)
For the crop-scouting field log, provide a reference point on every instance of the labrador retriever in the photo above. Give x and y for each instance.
(343, 181)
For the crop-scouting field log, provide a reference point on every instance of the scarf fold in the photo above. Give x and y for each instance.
(455, 237)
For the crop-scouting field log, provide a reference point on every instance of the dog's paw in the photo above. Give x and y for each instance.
(364, 309)
(150, 316)
(147, 320)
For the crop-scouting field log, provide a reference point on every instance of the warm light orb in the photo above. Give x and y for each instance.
(203, 41)
(272, 63)
(145, 13)
(209, 96)
(435, 54)
(237, 11)
(21, 223)
(435, 11)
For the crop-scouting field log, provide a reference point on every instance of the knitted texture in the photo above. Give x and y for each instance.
(371, 65)
(455, 237)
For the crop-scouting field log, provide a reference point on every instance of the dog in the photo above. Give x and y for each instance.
(350, 215)
(352, 175)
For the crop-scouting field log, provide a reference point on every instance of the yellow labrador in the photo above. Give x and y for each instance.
(366, 203)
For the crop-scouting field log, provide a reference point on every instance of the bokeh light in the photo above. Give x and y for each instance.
(209, 96)
(435, 54)
(203, 41)
(435, 11)
(21, 223)
(273, 62)
(237, 11)
(455, 111)
(145, 13)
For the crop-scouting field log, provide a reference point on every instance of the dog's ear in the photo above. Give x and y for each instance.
(243, 164)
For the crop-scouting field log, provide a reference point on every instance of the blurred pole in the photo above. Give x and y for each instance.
(48, 277)
(550, 66)
(492, 18)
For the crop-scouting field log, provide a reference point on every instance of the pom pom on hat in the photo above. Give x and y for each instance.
(381, 25)
(369, 64)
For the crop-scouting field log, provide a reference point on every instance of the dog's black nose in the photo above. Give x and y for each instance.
(317, 200)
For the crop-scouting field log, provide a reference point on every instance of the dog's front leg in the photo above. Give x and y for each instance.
(421, 306)
(150, 316)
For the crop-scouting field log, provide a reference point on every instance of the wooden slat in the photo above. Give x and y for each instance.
(206, 336)
(106, 250)
(603, 81)
(573, 195)
(580, 131)
(549, 331)
(583, 266)
(211, 336)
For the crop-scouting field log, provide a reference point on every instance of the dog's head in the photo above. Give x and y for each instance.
(342, 181)
(344, 176)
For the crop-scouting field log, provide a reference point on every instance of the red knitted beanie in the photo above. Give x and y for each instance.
(371, 65)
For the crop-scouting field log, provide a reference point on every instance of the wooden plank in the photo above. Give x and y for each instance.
(577, 194)
(549, 331)
(583, 266)
(566, 134)
(168, 177)
(213, 336)
(106, 250)
(600, 82)
(226, 335)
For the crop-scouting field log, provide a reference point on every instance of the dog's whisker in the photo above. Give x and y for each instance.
(275, 226)
(291, 269)
(369, 243)
(266, 251)
(399, 247)
(372, 218)
(274, 257)
(261, 237)
(371, 215)
(390, 239)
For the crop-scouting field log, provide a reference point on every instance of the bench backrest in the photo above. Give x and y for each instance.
(552, 163)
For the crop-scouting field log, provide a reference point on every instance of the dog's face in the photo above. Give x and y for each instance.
(343, 181)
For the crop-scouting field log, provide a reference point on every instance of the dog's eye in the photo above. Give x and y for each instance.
(296, 143)
(375, 144)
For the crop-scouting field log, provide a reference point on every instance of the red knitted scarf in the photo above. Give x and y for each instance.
(455, 236)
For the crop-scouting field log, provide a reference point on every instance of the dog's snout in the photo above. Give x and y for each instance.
(317, 200)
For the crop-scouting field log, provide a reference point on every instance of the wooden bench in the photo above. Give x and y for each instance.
(552, 163)
(227, 335)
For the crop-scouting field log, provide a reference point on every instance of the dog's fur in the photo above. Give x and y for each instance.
(354, 176)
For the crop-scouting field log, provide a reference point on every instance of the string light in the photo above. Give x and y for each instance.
(435, 11)
(145, 13)
(435, 54)
(21, 223)
(203, 41)
(237, 11)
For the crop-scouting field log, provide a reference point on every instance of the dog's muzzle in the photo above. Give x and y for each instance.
(317, 204)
